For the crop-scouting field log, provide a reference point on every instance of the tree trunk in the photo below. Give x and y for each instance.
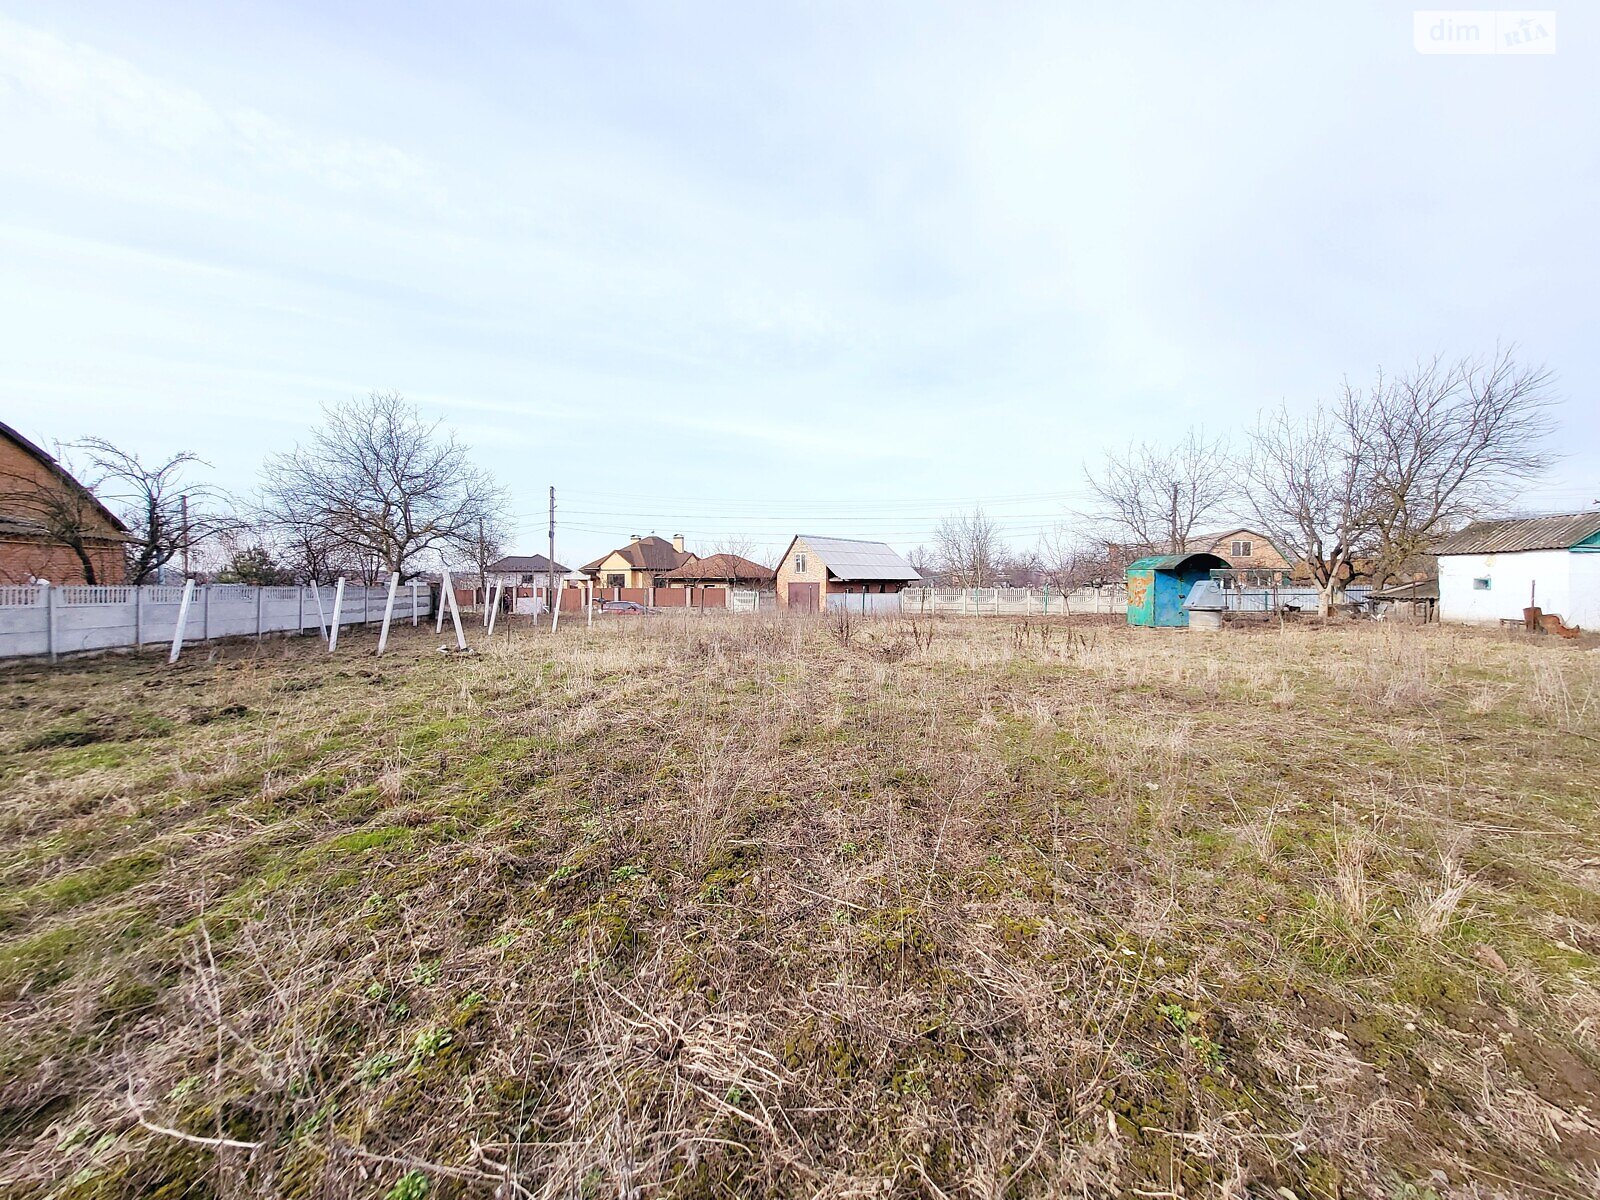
(1325, 597)
(86, 561)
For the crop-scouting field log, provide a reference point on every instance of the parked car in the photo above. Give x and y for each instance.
(628, 608)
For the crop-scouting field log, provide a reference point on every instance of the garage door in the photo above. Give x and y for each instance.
(803, 597)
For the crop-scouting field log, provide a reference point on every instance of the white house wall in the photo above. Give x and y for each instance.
(1545, 574)
(1585, 597)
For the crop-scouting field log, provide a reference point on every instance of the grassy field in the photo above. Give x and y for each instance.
(737, 907)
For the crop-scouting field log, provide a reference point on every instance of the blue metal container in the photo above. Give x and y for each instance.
(1158, 586)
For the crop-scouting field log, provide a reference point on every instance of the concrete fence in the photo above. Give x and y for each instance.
(45, 620)
(1011, 602)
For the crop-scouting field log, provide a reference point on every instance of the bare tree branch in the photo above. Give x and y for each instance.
(379, 486)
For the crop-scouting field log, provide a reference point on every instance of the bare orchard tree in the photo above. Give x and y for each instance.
(967, 548)
(165, 513)
(378, 485)
(1310, 488)
(58, 511)
(737, 544)
(1156, 497)
(1447, 440)
(1068, 562)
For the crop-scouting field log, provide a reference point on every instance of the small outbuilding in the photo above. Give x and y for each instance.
(1159, 585)
(1492, 570)
(817, 574)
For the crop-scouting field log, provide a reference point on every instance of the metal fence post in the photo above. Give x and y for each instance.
(205, 612)
(300, 596)
(138, 618)
(261, 599)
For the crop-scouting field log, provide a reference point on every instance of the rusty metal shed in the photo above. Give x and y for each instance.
(1158, 586)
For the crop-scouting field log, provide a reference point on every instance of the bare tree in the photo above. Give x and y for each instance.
(1311, 490)
(378, 484)
(1448, 440)
(1066, 561)
(57, 510)
(165, 514)
(1156, 497)
(968, 548)
(737, 544)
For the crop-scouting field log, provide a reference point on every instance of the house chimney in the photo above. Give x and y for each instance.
(633, 537)
(677, 542)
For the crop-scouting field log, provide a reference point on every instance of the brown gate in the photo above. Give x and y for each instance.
(803, 597)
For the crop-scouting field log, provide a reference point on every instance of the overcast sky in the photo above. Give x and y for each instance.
(826, 268)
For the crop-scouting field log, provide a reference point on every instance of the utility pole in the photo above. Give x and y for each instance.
(550, 562)
(184, 504)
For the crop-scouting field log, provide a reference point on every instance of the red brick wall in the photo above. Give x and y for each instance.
(25, 558)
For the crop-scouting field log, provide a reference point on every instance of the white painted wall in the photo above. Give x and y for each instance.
(1585, 597)
(1547, 574)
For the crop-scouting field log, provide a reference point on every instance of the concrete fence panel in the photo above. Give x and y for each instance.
(43, 620)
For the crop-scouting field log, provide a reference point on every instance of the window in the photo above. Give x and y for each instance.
(1481, 584)
(616, 580)
(1242, 548)
(799, 564)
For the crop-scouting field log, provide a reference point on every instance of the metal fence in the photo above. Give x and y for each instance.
(64, 619)
(1270, 599)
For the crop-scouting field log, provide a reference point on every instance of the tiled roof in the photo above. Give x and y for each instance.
(1525, 533)
(647, 554)
(723, 566)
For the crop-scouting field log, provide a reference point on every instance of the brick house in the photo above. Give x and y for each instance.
(813, 568)
(50, 524)
(523, 570)
(643, 563)
(721, 570)
(1244, 548)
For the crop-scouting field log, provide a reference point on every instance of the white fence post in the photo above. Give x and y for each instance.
(322, 617)
(493, 610)
(183, 620)
(413, 604)
(388, 612)
(338, 604)
(138, 618)
(261, 600)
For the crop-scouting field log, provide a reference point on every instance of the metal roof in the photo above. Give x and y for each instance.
(1526, 533)
(536, 563)
(850, 559)
(1171, 562)
(1422, 589)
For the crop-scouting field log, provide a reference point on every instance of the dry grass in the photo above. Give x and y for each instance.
(726, 907)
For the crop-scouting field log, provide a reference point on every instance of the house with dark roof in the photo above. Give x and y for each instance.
(1491, 570)
(817, 573)
(51, 526)
(643, 563)
(523, 570)
(721, 570)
